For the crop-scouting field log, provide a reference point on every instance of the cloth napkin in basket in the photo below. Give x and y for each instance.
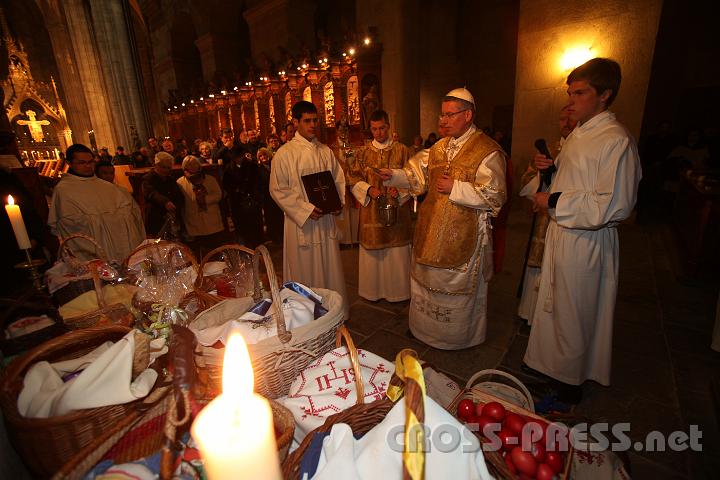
(105, 378)
(300, 306)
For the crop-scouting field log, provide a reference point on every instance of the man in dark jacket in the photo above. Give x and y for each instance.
(241, 183)
(163, 198)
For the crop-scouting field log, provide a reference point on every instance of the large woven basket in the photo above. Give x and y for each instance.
(277, 361)
(45, 444)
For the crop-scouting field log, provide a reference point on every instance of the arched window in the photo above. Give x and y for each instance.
(257, 116)
(307, 95)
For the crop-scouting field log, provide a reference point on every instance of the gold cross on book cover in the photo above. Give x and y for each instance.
(321, 191)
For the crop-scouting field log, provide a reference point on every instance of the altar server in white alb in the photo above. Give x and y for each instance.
(384, 257)
(311, 253)
(593, 190)
(464, 176)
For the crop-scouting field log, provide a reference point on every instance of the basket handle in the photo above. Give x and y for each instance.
(409, 370)
(162, 243)
(97, 285)
(283, 334)
(64, 247)
(518, 383)
(257, 293)
(343, 334)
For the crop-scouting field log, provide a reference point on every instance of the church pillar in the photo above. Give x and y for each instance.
(206, 45)
(397, 26)
(74, 97)
(89, 70)
(119, 69)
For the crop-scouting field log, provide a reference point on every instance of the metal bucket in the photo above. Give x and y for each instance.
(387, 211)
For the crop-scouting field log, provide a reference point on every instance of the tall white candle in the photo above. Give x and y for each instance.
(235, 432)
(18, 224)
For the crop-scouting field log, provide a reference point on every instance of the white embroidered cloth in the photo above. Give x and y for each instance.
(327, 386)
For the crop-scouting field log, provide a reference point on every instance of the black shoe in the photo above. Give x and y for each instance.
(534, 373)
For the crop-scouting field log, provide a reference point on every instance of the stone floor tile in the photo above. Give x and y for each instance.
(513, 359)
(387, 344)
(643, 468)
(367, 319)
(636, 339)
(649, 376)
(464, 363)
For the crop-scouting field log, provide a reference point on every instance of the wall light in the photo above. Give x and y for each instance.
(367, 41)
(574, 57)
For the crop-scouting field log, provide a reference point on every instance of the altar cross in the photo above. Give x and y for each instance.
(35, 126)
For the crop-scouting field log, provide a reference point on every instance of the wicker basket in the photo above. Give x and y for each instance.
(277, 361)
(206, 283)
(83, 281)
(154, 253)
(45, 444)
(361, 417)
(500, 392)
(113, 314)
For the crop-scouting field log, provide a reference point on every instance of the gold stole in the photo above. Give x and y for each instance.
(374, 235)
(446, 233)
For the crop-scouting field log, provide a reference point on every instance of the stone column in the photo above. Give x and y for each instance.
(397, 24)
(74, 96)
(89, 70)
(119, 69)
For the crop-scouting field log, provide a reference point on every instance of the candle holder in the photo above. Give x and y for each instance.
(32, 265)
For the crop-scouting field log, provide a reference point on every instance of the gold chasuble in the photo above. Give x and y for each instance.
(446, 233)
(374, 235)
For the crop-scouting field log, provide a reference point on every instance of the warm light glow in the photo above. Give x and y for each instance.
(574, 57)
(237, 379)
(11, 200)
(182, 104)
(202, 98)
(351, 51)
(223, 92)
(367, 40)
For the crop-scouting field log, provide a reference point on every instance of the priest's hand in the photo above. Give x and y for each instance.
(374, 193)
(540, 202)
(393, 192)
(385, 174)
(170, 206)
(542, 162)
(337, 212)
(445, 184)
(316, 213)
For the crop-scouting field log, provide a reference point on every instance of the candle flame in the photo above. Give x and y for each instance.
(11, 200)
(237, 379)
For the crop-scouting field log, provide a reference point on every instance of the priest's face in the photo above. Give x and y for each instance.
(380, 130)
(83, 164)
(454, 119)
(307, 125)
(584, 102)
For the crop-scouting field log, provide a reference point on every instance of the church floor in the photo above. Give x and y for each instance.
(662, 362)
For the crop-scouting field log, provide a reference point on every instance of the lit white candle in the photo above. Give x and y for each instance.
(18, 224)
(235, 432)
